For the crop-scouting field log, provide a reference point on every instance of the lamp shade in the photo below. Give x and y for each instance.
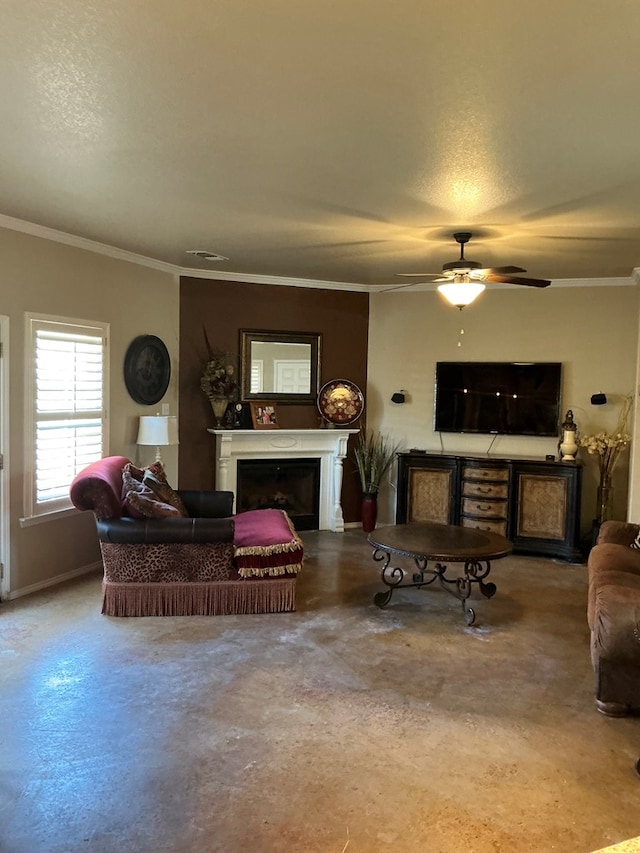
(461, 293)
(158, 430)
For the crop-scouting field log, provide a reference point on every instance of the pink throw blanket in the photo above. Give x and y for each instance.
(266, 543)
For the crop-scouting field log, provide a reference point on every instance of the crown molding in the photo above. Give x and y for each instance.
(87, 245)
(31, 228)
(280, 281)
(42, 231)
(620, 281)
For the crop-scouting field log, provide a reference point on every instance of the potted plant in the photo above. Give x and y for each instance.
(374, 454)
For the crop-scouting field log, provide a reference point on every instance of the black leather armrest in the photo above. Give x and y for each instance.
(207, 504)
(135, 531)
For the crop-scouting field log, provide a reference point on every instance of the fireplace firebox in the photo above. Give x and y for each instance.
(289, 484)
(327, 446)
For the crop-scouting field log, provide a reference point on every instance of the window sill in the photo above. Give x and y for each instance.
(30, 520)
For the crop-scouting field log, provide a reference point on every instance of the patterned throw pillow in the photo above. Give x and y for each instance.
(147, 494)
(148, 506)
(156, 480)
(131, 479)
(133, 471)
(636, 542)
(132, 484)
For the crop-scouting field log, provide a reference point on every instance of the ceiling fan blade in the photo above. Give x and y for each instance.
(529, 282)
(418, 274)
(472, 271)
(497, 271)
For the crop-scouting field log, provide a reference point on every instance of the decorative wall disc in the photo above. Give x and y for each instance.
(340, 402)
(147, 369)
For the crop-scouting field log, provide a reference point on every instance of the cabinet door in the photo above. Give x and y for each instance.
(429, 495)
(427, 490)
(542, 507)
(546, 510)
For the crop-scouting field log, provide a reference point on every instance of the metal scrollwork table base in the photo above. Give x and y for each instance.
(438, 544)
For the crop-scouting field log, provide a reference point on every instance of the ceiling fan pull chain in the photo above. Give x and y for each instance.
(460, 337)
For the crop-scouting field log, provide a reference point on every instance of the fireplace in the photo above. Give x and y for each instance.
(289, 484)
(326, 446)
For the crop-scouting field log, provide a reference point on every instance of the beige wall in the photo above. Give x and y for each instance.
(38, 275)
(593, 331)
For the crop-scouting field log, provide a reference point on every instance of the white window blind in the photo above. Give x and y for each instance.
(68, 415)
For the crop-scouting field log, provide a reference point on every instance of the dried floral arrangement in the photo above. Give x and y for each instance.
(609, 445)
(219, 377)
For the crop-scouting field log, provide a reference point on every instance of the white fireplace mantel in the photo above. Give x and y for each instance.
(328, 445)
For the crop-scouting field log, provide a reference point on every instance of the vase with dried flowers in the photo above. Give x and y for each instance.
(608, 446)
(219, 382)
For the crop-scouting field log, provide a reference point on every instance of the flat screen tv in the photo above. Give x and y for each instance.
(521, 398)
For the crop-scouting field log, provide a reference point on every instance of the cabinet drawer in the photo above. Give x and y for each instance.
(485, 524)
(471, 473)
(484, 509)
(475, 489)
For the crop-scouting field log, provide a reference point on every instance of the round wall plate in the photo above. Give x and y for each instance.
(147, 369)
(340, 402)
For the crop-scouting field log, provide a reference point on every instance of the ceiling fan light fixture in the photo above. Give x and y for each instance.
(461, 293)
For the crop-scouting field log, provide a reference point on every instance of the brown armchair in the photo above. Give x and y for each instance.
(614, 618)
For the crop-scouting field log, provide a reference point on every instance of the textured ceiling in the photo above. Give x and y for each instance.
(336, 141)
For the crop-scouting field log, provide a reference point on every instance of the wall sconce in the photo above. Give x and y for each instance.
(159, 431)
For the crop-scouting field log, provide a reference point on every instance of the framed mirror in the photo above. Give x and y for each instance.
(282, 366)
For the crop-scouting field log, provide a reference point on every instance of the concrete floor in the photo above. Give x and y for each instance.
(340, 728)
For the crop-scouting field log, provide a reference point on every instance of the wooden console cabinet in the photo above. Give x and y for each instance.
(534, 503)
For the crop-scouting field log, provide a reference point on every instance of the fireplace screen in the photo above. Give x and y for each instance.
(289, 484)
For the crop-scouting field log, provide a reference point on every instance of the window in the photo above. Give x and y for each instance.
(257, 366)
(66, 419)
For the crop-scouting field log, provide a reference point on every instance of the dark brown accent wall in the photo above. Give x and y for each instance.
(225, 307)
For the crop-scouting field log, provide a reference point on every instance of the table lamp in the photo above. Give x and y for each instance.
(158, 430)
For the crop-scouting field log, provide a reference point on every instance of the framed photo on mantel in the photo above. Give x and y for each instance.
(264, 415)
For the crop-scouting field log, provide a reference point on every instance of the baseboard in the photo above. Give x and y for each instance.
(66, 576)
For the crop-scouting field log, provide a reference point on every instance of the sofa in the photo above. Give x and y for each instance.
(613, 615)
(169, 552)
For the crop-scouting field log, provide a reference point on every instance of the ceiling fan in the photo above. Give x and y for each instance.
(463, 279)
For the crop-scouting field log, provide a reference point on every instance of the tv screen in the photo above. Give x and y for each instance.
(498, 397)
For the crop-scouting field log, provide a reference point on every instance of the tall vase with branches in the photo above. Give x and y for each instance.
(608, 447)
(374, 455)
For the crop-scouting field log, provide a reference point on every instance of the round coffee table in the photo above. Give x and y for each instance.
(429, 542)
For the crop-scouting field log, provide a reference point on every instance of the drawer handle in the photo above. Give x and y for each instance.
(483, 508)
(485, 491)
